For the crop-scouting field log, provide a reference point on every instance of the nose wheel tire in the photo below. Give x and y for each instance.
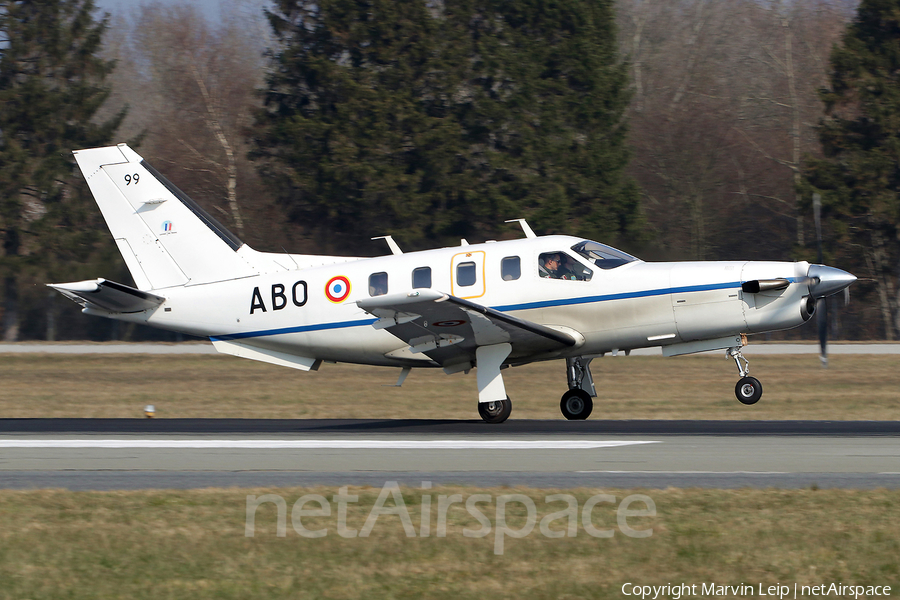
(748, 390)
(495, 412)
(576, 405)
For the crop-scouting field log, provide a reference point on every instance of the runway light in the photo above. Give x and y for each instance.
(149, 411)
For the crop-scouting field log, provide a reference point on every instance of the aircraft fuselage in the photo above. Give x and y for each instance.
(634, 305)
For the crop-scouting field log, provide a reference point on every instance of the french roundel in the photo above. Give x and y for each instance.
(337, 288)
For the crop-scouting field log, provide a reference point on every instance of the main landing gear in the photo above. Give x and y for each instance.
(494, 405)
(748, 389)
(577, 403)
(496, 411)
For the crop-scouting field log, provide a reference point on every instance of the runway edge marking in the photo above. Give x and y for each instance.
(326, 444)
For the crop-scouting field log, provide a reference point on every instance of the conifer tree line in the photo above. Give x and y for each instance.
(675, 129)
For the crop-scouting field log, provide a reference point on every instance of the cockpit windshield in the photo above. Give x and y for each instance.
(601, 255)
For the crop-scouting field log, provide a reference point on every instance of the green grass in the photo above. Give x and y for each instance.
(192, 544)
(691, 387)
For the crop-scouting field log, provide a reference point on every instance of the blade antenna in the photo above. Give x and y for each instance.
(529, 233)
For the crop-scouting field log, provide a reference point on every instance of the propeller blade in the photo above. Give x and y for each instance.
(822, 325)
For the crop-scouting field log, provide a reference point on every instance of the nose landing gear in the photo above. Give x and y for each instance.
(748, 389)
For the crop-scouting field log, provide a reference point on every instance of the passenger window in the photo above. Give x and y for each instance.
(510, 268)
(378, 284)
(465, 274)
(421, 277)
(559, 265)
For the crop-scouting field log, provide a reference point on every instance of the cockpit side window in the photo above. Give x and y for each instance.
(605, 257)
(559, 265)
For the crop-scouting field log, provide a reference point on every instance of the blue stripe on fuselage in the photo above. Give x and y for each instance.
(508, 307)
(623, 296)
(297, 329)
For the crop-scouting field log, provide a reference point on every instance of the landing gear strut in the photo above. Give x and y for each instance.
(576, 404)
(748, 389)
(494, 405)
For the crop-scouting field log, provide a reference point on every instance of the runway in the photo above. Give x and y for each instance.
(101, 454)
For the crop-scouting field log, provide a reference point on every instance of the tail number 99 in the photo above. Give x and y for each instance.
(132, 178)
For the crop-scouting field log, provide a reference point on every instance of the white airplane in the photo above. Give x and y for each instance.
(482, 306)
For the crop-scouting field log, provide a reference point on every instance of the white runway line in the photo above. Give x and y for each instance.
(691, 472)
(325, 444)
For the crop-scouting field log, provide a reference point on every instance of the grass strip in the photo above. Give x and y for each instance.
(854, 387)
(193, 544)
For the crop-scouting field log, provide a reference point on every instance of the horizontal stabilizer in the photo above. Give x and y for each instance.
(108, 296)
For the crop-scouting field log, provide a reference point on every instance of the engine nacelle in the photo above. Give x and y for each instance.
(807, 307)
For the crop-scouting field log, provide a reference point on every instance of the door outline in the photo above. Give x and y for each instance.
(479, 288)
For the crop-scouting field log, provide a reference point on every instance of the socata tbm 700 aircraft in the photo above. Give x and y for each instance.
(483, 306)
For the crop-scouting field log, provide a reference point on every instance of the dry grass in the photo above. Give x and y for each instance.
(191, 544)
(692, 387)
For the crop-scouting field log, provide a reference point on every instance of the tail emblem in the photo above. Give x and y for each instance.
(337, 289)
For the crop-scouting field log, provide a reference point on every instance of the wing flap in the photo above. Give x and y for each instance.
(108, 296)
(448, 329)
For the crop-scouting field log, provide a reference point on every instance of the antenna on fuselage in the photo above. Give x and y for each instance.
(395, 249)
(528, 232)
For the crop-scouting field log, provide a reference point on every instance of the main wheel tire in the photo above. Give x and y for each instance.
(748, 390)
(495, 412)
(576, 405)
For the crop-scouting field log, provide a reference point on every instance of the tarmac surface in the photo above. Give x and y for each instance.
(102, 454)
(107, 454)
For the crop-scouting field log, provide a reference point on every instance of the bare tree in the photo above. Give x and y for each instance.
(192, 85)
(724, 110)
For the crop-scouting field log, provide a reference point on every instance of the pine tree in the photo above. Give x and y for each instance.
(51, 88)
(859, 176)
(436, 120)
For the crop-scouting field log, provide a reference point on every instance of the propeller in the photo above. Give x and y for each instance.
(821, 303)
(821, 280)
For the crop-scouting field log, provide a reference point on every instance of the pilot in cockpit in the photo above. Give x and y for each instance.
(567, 268)
(548, 265)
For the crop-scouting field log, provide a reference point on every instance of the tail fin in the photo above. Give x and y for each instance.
(165, 238)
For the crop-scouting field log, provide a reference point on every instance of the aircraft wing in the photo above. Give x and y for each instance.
(108, 296)
(448, 329)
